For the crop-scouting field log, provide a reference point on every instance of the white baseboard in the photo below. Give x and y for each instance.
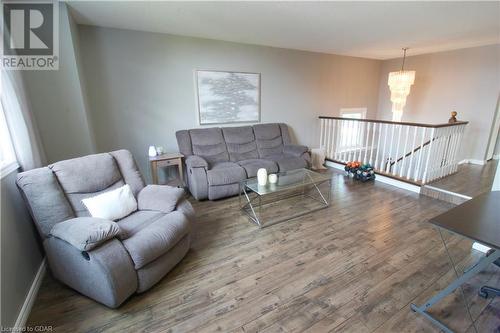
(31, 297)
(382, 179)
(472, 161)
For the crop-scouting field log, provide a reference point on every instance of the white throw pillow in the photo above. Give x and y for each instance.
(112, 205)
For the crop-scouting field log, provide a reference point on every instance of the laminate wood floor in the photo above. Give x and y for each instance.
(353, 267)
(470, 179)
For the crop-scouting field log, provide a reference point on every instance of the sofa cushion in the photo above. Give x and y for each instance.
(128, 168)
(87, 174)
(288, 162)
(251, 166)
(162, 198)
(225, 173)
(209, 144)
(285, 135)
(195, 161)
(269, 140)
(112, 205)
(184, 142)
(223, 191)
(157, 238)
(46, 200)
(75, 199)
(150, 274)
(133, 223)
(240, 142)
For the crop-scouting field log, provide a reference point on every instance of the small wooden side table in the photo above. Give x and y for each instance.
(165, 160)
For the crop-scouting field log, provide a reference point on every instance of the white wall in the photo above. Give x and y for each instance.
(141, 85)
(21, 253)
(58, 102)
(466, 80)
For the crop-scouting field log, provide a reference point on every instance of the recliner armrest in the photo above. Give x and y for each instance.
(296, 150)
(162, 198)
(195, 161)
(85, 233)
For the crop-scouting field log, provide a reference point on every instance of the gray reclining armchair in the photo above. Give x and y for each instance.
(106, 260)
(218, 159)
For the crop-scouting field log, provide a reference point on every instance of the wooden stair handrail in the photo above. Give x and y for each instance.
(399, 123)
(409, 153)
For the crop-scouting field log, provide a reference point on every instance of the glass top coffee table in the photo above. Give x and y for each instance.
(296, 193)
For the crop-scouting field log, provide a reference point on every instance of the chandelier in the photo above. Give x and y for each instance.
(399, 84)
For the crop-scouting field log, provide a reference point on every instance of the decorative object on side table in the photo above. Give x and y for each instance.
(152, 151)
(165, 160)
(159, 150)
(273, 178)
(359, 171)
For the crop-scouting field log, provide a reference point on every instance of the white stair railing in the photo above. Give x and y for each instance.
(414, 152)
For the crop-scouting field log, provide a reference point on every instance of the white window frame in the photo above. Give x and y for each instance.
(349, 142)
(8, 160)
(345, 112)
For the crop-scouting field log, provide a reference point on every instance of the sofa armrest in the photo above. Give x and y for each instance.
(85, 233)
(295, 150)
(160, 198)
(105, 274)
(195, 161)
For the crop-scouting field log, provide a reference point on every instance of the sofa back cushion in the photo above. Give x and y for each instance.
(129, 170)
(184, 142)
(240, 142)
(45, 199)
(209, 144)
(87, 176)
(269, 139)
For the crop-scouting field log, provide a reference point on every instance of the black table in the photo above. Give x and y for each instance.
(477, 219)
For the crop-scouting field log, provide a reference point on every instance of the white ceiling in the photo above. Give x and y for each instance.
(365, 29)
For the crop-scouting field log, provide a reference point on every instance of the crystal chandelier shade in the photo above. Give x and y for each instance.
(400, 83)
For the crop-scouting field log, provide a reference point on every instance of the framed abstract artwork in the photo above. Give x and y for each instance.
(227, 97)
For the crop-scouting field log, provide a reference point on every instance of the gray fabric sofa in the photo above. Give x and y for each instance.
(217, 159)
(118, 258)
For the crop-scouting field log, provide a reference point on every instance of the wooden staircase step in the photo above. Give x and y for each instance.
(444, 195)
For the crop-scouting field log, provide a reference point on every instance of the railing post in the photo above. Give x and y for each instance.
(389, 159)
(378, 144)
(321, 133)
(428, 156)
(332, 135)
(417, 170)
(382, 166)
(402, 169)
(337, 140)
(408, 176)
(394, 171)
(373, 143)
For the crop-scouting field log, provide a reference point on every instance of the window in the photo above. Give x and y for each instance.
(352, 135)
(355, 113)
(7, 156)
